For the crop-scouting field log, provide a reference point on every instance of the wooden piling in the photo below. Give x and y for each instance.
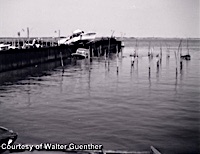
(176, 62)
(181, 64)
(149, 63)
(117, 59)
(100, 48)
(158, 63)
(132, 60)
(92, 52)
(160, 54)
(98, 52)
(61, 59)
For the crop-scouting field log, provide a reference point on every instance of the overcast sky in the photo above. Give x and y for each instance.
(137, 18)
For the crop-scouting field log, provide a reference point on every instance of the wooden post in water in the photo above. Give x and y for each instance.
(176, 62)
(160, 54)
(117, 59)
(157, 61)
(92, 52)
(23, 43)
(100, 50)
(180, 48)
(89, 52)
(187, 48)
(168, 51)
(105, 55)
(109, 47)
(121, 52)
(149, 49)
(89, 57)
(181, 64)
(108, 54)
(149, 63)
(61, 59)
(188, 54)
(132, 60)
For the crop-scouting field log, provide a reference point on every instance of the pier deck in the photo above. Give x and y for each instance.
(18, 58)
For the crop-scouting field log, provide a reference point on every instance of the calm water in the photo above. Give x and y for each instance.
(128, 110)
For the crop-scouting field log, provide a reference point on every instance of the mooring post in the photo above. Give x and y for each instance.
(160, 55)
(168, 52)
(105, 55)
(188, 53)
(149, 63)
(18, 42)
(92, 52)
(132, 60)
(117, 59)
(181, 64)
(109, 45)
(121, 52)
(23, 43)
(176, 62)
(100, 50)
(61, 59)
(158, 61)
(89, 52)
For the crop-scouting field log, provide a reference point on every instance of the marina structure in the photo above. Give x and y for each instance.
(35, 51)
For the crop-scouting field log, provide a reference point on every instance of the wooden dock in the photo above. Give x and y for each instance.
(17, 58)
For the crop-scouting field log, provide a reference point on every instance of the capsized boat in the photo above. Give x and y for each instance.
(81, 53)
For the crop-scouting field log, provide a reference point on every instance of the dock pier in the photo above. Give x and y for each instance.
(50, 51)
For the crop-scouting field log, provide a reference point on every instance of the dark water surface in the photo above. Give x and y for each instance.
(128, 110)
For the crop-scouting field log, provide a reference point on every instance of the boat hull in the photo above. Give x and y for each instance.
(78, 56)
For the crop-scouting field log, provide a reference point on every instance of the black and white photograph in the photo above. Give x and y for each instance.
(100, 76)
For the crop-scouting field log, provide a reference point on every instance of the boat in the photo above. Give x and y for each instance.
(122, 44)
(81, 53)
(88, 36)
(35, 43)
(63, 40)
(11, 47)
(78, 36)
(186, 57)
(7, 137)
(7, 47)
(4, 47)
